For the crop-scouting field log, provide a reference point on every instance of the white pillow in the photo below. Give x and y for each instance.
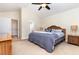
(57, 30)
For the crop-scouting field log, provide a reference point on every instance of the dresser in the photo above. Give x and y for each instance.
(6, 47)
(73, 38)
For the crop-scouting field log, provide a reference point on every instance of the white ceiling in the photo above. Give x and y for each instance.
(55, 8)
(12, 6)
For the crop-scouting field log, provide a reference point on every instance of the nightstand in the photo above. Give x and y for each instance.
(73, 38)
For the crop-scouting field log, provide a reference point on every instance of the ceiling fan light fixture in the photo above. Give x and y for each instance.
(43, 5)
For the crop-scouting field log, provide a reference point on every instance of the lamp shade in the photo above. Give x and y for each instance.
(74, 28)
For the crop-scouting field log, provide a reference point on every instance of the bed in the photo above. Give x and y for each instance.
(48, 40)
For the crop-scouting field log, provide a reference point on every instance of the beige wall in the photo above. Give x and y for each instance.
(64, 19)
(10, 14)
(28, 15)
(24, 15)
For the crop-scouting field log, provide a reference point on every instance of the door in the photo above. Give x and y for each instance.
(14, 28)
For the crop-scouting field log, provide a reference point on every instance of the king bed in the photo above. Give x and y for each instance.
(49, 38)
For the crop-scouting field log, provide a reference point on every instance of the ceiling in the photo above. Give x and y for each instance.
(11, 6)
(55, 8)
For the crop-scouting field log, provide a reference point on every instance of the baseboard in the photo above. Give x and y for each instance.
(23, 39)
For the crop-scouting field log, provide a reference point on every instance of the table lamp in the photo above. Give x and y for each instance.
(74, 28)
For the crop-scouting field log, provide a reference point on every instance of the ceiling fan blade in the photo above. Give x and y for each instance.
(37, 3)
(48, 7)
(40, 3)
(40, 7)
(48, 3)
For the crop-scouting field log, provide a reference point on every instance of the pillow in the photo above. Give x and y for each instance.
(56, 30)
(48, 30)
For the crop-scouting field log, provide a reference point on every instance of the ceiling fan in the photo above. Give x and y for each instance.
(42, 5)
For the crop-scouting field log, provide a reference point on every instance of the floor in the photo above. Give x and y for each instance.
(24, 47)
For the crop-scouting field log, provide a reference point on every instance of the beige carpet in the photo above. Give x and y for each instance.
(25, 47)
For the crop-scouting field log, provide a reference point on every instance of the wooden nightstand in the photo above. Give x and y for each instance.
(73, 38)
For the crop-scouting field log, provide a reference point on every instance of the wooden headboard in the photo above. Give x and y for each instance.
(57, 27)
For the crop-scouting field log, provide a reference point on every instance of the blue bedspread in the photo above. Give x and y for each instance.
(45, 40)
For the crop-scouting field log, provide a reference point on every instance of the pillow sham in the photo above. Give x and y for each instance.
(48, 30)
(57, 30)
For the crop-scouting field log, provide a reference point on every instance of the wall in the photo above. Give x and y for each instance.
(64, 19)
(24, 16)
(12, 15)
(5, 25)
(28, 15)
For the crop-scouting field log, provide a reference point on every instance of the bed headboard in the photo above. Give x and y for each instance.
(57, 27)
(54, 27)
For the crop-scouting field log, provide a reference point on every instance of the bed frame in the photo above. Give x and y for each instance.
(58, 27)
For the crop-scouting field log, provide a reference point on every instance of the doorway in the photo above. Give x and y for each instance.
(14, 29)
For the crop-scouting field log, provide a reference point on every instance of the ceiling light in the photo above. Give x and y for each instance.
(43, 5)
